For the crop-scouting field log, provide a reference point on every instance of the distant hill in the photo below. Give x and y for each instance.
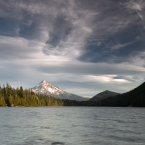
(134, 98)
(103, 95)
(48, 89)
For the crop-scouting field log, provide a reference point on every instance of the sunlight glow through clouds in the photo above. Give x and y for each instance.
(90, 45)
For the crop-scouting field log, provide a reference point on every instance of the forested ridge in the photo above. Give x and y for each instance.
(25, 97)
(19, 97)
(133, 98)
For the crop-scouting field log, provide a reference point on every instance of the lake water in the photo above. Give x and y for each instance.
(72, 126)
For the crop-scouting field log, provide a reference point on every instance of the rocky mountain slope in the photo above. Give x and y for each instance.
(48, 89)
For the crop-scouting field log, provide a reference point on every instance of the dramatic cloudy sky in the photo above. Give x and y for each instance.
(81, 46)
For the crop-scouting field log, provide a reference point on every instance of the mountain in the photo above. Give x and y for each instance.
(134, 98)
(48, 89)
(103, 95)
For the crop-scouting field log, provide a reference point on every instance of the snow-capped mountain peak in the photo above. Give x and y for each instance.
(48, 89)
(44, 81)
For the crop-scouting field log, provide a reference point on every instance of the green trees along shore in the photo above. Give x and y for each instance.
(18, 97)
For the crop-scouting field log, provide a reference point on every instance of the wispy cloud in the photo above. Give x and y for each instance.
(83, 44)
(68, 28)
(14, 48)
(77, 31)
(136, 6)
(137, 58)
(118, 46)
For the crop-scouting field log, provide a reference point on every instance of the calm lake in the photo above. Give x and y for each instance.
(72, 126)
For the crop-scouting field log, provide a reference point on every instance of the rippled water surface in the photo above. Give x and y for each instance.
(72, 126)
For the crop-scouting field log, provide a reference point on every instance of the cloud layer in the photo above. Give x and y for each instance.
(81, 46)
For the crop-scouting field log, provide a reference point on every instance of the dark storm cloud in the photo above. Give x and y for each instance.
(106, 30)
(61, 29)
(118, 32)
(99, 42)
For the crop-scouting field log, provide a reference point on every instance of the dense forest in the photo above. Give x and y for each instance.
(19, 97)
(133, 98)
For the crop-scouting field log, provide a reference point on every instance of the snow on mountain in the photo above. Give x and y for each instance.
(48, 89)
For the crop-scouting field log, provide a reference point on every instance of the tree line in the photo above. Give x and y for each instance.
(19, 97)
(133, 98)
(25, 97)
